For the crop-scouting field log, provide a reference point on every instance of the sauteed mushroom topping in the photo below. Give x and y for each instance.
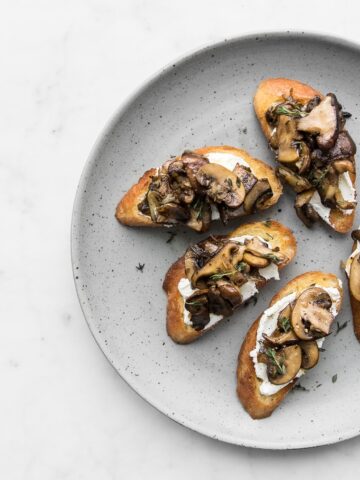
(314, 150)
(355, 277)
(188, 188)
(217, 269)
(293, 345)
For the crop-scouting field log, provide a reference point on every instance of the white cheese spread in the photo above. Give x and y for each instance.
(347, 191)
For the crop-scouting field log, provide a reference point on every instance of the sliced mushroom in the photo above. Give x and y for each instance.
(200, 215)
(192, 162)
(284, 365)
(324, 121)
(197, 306)
(257, 196)
(297, 182)
(310, 354)
(305, 160)
(279, 338)
(255, 261)
(285, 135)
(304, 209)
(221, 265)
(309, 320)
(342, 203)
(247, 178)
(344, 147)
(221, 184)
(355, 277)
(217, 303)
(342, 166)
(173, 212)
(328, 187)
(258, 249)
(230, 293)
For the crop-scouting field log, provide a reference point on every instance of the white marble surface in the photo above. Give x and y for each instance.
(66, 66)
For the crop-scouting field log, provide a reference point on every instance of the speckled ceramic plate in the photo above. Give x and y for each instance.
(206, 99)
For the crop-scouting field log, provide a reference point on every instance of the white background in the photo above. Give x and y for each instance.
(65, 67)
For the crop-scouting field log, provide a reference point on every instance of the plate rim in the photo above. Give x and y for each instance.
(77, 204)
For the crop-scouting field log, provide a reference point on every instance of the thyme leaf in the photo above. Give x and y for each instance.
(140, 267)
(340, 327)
(285, 324)
(295, 112)
(271, 354)
(334, 378)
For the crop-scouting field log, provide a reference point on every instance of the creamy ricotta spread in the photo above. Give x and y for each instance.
(247, 290)
(347, 191)
(268, 324)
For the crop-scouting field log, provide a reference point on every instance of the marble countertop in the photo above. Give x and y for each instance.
(66, 66)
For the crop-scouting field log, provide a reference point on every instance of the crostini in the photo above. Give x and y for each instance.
(200, 186)
(285, 341)
(352, 269)
(219, 274)
(316, 154)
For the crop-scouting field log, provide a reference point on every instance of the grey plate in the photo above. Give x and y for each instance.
(206, 99)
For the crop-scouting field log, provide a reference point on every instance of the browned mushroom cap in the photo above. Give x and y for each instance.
(355, 277)
(305, 159)
(192, 162)
(285, 135)
(328, 187)
(344, 147)
(296, 182)
(247, 178)
(198, 254)
(221, 184)
(259, 249)
(323, 120)
(342, 166)
(217, 303)
(310, 354)
(283, 365)
(342, 203)
(221, 265)
(229, 292)
(197, 306)
(200, 215)
(255, 261)
(173, 212)
(304, 209)
(278, 338)
(309, 318)
(257, 196)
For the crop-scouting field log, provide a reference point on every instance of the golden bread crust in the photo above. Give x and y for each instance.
(248, 385)
(127, 211)
(272, 90)
(282, 237)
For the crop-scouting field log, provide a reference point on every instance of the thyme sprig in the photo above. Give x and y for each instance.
(285, 324)
(271, 354)
(295, 112)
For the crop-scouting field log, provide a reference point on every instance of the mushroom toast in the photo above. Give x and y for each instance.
(352, 269)
(307, 133)
(217, 275)
(284, 342)
(200, 186)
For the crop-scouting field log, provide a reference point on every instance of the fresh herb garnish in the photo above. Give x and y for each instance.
(217, 276)
(267, 223)
(193, 303)
(298, 386)
(295, 112)
(140, 267)
(334, 378)
(340, 327)
(273, 258)
(322, 349)
(198, 207)
(285, 324)
(172, 235)
(241, 266)
(271, 354)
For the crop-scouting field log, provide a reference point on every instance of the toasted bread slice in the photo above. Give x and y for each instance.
(128, 213)
(278, 236)
(248, 385)
(272, 91)
(354, 302)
